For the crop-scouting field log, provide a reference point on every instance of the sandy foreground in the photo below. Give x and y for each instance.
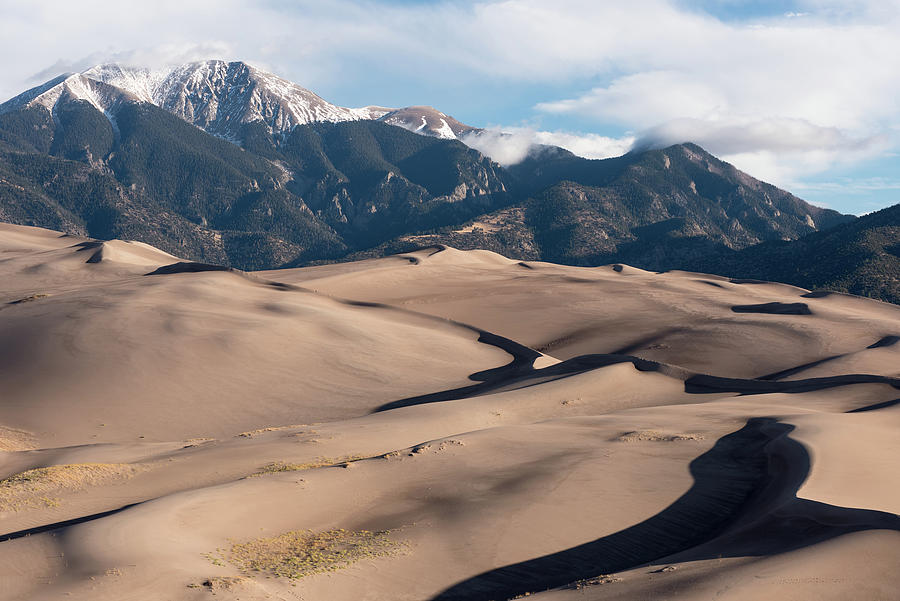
(440, 425)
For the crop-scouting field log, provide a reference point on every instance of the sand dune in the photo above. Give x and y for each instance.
(437, 425)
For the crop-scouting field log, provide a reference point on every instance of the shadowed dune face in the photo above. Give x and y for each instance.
(774, 308)
(189, 267)
(504, 428)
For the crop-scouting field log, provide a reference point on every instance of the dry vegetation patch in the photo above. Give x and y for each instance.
(428, 446)
(595, 581)
(38, 487)
(258, 431)
(196, 442)
(29, 298)
(283, 466)
(656, 436)
(300, 553)
(224, 583)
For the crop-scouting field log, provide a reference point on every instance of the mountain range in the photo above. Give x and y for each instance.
(225, 163)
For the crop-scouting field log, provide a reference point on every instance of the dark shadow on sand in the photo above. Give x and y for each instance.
(63, 524)
(703, 384)
(886, 341)
(774, 309)
(191, 267)
(520, 372)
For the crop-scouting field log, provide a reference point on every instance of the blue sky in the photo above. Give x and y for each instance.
(801, 94)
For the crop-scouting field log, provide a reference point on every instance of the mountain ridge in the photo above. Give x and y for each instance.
(654, 209)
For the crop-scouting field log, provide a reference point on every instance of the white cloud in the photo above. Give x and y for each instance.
(504, 147)
(512, 145)
(591, 146)
(644, 98)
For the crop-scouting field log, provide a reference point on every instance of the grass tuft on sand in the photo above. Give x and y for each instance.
(300, 553)
(595, 581)
(657, 436)
(259, 431)
(29, 298)
(223, 583)
(38, 487)
(283, 466)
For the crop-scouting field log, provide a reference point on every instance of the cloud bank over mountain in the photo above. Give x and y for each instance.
(509, 146)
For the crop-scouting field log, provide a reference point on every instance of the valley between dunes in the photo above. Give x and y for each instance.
(438, 425)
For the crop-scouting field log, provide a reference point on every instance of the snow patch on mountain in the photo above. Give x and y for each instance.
(445, 131)
(70, 87)
(428, 121)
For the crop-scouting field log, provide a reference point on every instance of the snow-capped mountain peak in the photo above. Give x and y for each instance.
(71, 87)
(221, 97)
